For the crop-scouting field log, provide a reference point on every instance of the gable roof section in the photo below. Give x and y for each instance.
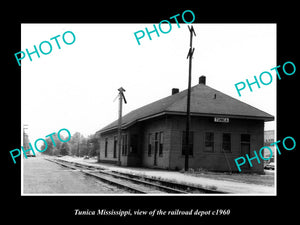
(205, 101)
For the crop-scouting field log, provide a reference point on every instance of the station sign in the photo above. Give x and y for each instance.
(221, 120)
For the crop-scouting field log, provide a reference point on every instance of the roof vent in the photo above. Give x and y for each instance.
(175, 91)
(202, 80)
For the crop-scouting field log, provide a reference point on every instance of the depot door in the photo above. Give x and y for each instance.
(155, 148)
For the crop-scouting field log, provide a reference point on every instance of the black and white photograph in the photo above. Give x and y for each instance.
(163, 118)
(125, 106)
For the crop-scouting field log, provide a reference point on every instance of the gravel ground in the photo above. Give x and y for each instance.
(43, 177)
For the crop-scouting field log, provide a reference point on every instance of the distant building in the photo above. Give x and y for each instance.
(222, 129)
(269, 137)
(26, 142)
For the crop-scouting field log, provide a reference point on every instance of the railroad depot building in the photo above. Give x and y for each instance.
(222, 129)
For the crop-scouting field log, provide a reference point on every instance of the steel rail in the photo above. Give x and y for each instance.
(131, 181)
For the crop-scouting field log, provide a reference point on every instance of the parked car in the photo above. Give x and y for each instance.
(270, 166)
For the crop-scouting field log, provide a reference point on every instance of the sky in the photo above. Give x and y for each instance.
(74, 87)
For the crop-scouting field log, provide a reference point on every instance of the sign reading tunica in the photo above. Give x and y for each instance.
(221, 120)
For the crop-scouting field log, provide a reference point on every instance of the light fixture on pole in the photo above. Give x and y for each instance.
(121, 98)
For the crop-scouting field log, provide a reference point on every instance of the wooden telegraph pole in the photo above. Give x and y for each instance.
(121, 97)
(25, 140)
(188, 116)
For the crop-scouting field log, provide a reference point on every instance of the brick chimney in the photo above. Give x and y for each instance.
(202, 80)
(175, 91)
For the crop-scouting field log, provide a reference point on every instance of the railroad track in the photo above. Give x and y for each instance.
(133, 183)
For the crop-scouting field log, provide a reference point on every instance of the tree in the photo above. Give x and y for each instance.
(51, 147)
(64, 149)
(93, 145)
(77, 146)
(74, 144)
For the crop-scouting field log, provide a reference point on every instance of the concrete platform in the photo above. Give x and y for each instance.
(214, 181)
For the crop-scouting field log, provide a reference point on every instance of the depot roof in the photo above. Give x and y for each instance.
(205, 101)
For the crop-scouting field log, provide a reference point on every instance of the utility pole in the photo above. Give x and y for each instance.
(25, 126)
(121, 97)
(78, 145)
(188, 116)
(25, 137)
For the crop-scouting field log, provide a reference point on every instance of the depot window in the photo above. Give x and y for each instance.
(161, 143)
(105, 148)
(124, 144)
(150, 143)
